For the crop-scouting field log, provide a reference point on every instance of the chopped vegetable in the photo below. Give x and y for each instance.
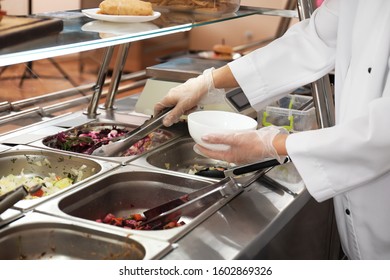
(134, 221)
(50, 183)
(138, 217)
(85, 141)
(63, 183)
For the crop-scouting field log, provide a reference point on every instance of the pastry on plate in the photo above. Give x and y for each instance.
(223, 49)
(126, 8)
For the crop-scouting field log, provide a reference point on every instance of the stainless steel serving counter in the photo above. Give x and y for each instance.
(260, 222)
(242, 228)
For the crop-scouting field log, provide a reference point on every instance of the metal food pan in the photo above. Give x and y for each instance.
(128, 190)
(179, 156)
(43, 237)
(50, 142)
(33, 162)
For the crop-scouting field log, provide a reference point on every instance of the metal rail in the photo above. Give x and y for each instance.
(283, 25)
(103, 71)
(321, 89)
(117, 75)
(325, 111)
(16, 106)
(13, 111)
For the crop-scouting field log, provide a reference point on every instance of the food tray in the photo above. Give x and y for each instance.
(34, 162)
(55, 142)
(179, 156)
(43, 237)
(128, 190)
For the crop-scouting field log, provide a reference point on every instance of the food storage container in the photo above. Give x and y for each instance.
(58, 171)
(84, 139)
(44, 237)
(290, 112)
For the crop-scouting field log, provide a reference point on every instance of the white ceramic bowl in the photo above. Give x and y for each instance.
(201, 123)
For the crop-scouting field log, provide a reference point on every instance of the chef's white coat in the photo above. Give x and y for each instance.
(349, 162)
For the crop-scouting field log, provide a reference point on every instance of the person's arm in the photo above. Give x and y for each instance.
(202, 89)
(305, 53)
(224, 78)
(185, 97)
(348, 155)
(279, 144)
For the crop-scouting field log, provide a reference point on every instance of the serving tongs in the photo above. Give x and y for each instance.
(190, 204)
(9, 199)
(195, 201)
(115, 148)
(240, 170)
(248, 168)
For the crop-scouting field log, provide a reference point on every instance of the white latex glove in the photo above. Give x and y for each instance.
(185, 97)
(245, 147)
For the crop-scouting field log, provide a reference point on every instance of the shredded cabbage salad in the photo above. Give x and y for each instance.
(51, 183)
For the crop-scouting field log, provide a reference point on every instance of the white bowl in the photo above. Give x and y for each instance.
(201, 123)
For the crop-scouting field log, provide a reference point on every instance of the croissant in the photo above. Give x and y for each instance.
(126, 7)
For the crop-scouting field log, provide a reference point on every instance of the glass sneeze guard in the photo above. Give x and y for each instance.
(81, 33)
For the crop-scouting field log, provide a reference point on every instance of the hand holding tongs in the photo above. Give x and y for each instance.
(113, 149)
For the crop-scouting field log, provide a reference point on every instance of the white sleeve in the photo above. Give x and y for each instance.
(349, 155)
(305, 53)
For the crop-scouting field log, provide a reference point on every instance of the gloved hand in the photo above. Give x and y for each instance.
(185, 97)
(245, 147)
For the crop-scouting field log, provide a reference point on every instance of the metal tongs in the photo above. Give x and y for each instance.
(10, 198)
(190, 204)
(115, 148)
(251, 167)
(201, 199)
(241, 169)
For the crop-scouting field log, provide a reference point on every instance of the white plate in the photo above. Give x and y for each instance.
(214, 56)
(93, 13)
(111, 29)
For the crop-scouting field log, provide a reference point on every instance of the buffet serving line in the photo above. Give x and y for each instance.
(68, 223)
(60, 199)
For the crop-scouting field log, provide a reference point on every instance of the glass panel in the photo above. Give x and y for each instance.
(81, 33)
